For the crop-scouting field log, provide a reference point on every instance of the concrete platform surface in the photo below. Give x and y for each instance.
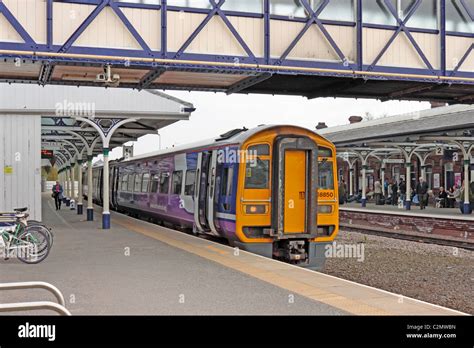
(141, 268)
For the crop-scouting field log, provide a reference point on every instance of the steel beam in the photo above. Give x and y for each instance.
(248, 82)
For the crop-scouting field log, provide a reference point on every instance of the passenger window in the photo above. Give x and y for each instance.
(155, 183)
(227, 176)
(145, 182)
(124, 182)
(131, 181)
(256, 174)
(164, 183)
(190, 182)
(177, 182)
(138, 183)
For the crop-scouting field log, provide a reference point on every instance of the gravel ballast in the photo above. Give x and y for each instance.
(433, 273)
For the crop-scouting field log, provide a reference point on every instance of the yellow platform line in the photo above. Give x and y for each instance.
(294, 286)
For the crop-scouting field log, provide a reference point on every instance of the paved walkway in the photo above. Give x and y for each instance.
(141, 268)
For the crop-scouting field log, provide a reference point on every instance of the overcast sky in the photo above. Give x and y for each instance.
(217, 113)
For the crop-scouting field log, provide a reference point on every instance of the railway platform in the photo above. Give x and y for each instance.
(445, 226)
(140, 268)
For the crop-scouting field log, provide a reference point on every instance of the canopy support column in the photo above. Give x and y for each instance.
(106, 202)
(364, 185)
(90, 206)
(408, 184)
(79, 184)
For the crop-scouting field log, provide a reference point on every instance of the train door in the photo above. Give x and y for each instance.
(295, 191)
(211, 194)
(295, 186)
(200, 202)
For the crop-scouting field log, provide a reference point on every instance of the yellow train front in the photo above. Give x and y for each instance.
(287, 195)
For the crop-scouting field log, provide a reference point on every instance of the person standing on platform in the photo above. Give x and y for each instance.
(57, 194)
(403, 190)
(394, 193)
(342, 192)
(378, 192)
(422, 192)
(385, 188)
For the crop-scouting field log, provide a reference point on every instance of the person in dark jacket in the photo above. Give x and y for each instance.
(443, 197)
(422, 192)
(402, 187)
(57, 194)
(394, 193)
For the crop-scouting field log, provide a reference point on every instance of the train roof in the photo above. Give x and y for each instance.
(235, 136)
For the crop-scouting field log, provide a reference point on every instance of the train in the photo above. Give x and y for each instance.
(270, 190)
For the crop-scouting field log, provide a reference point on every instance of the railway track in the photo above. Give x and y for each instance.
(406, 235)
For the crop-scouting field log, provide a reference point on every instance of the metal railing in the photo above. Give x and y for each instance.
(59, 307)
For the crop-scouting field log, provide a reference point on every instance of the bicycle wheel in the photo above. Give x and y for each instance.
(46, 230)
(33, 245)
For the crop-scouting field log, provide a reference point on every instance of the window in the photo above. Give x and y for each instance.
(177, 182)
(324, 152)
(131, 181)
(326, 175)
(145, 182)
(375, 12)
(425, 16)
(155, 180)
(227, 176)
(457, 18)
(259, 150)
(138, 183)
(164, 183)
(256, 174)
(190, 3)
(147, 2)
(124, 183)
(252, 6)
(190, 181)
(337, 10)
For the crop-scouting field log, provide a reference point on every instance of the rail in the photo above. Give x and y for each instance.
(59, 307)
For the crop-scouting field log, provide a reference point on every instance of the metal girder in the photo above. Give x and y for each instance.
(148, 79)
(335, 88)
(248, 82)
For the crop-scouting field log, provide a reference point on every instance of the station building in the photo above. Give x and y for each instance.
(435, 142)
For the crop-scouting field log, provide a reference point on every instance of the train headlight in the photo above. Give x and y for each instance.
(256, 209)
(324, 209)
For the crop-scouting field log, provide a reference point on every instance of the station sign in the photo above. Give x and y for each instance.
(369, 171)
(47, 154)
(51, 145)
(394, 160)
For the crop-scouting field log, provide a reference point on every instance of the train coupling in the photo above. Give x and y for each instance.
(292, 250)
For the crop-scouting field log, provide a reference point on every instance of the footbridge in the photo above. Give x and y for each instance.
(410, 50)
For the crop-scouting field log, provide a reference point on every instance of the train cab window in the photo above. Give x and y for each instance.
(189, 184)
(177, 182)
(124, 183)
(164, 183)
(145, 182)
(257, 169)
(155, 180)
(131, 181)
(138, 183)
(325, 175)
(324, 152)
(256, 174)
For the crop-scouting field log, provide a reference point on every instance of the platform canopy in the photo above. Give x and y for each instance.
(74, 120)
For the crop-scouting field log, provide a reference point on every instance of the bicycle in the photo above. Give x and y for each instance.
(9, 219)
(30, 243)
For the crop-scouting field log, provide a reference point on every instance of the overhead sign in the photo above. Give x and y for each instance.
(47, 154)
(394, 160)
(51, 145)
